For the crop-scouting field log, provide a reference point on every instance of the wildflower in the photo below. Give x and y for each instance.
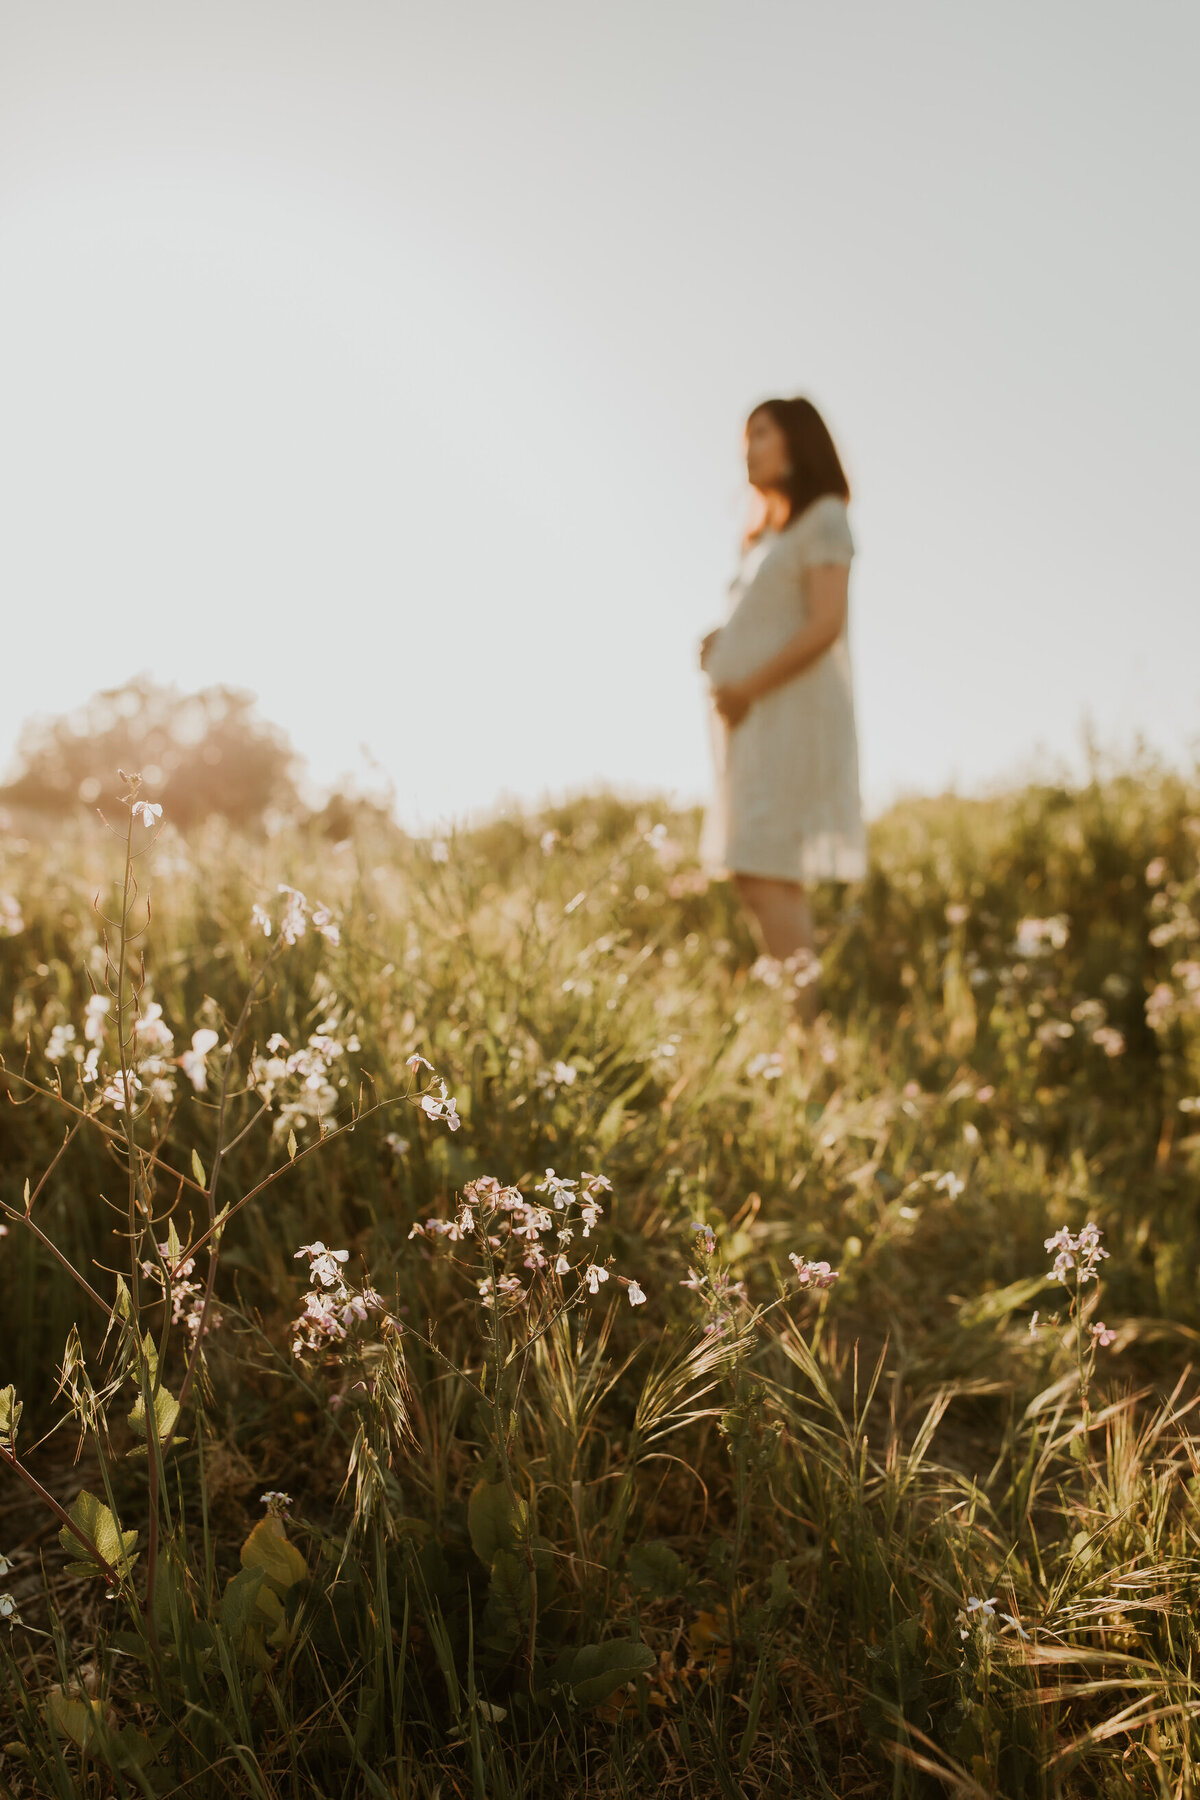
(812, 1274)
(276, 1503)
(94, 1011)
(507, 1287)
(120, 1089)
(1085, 1247)
(561, 1266)
(1160, 1007)
(978, 1612)
(593, 1275)
(59, 1043)
(636, 1296)
(804, 968)
(1102, 1335)
(5, 1566)
(558, 1187)
(564, 1073)
(1033, 1323)
(694, 1281)
(707, 1236)
(148, 811)
(292, 925)
(323, 1263)
(260, 920)
(438, 1107)
(950, 1184)
(323, 922)
(192, 1061)
(152, 1033)
(417, 1061)
(1034, 936)
(8, 1610)
(767, 970)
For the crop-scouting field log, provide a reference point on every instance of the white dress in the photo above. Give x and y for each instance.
(786, 797)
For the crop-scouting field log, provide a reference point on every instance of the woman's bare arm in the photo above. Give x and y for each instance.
(825, 591)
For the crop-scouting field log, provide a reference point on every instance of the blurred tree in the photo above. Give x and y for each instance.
(198, 754)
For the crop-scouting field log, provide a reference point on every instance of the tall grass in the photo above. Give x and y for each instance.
(722, 1541)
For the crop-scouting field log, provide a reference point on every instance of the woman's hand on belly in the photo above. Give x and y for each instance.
(732, 702)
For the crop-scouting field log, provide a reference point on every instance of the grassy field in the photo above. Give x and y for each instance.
(695, 1410)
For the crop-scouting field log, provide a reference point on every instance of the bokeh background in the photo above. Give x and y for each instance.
(389, 361)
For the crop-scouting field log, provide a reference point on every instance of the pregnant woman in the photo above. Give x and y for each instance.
(785, 810)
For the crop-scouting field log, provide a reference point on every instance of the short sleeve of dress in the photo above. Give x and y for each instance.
(827, 538)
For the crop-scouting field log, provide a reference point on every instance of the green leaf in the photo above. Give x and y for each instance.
(98, 1525)
(198, 1169)
(166, 1411)
(291, 1147)
(593, 1672)
(239, 1602)
(656, 1570)
(134, 1749)
(493, 1521)
(268, 1548)
(77, 1719)
(10, 1414)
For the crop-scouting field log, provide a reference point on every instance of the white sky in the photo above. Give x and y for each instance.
(392, 361)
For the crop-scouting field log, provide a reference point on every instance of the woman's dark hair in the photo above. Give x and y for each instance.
(816, 467)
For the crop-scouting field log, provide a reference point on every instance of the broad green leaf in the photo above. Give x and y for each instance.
(268, 1548)
(198, 1169)
(98, 1525)
(133, 1747)
(656, 1570)
(595, 1671)
(494, 1523)
(781, 1595)
(10, 1414)
(78, 1719)
(174, 1247)
(239, 1602)
(249, 1606)
(166, 1411)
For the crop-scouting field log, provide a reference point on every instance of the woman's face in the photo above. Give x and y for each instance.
(767, 462)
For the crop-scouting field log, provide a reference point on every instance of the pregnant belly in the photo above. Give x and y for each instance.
(744, 646)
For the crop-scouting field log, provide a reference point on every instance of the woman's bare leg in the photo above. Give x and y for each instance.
(785, 923)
